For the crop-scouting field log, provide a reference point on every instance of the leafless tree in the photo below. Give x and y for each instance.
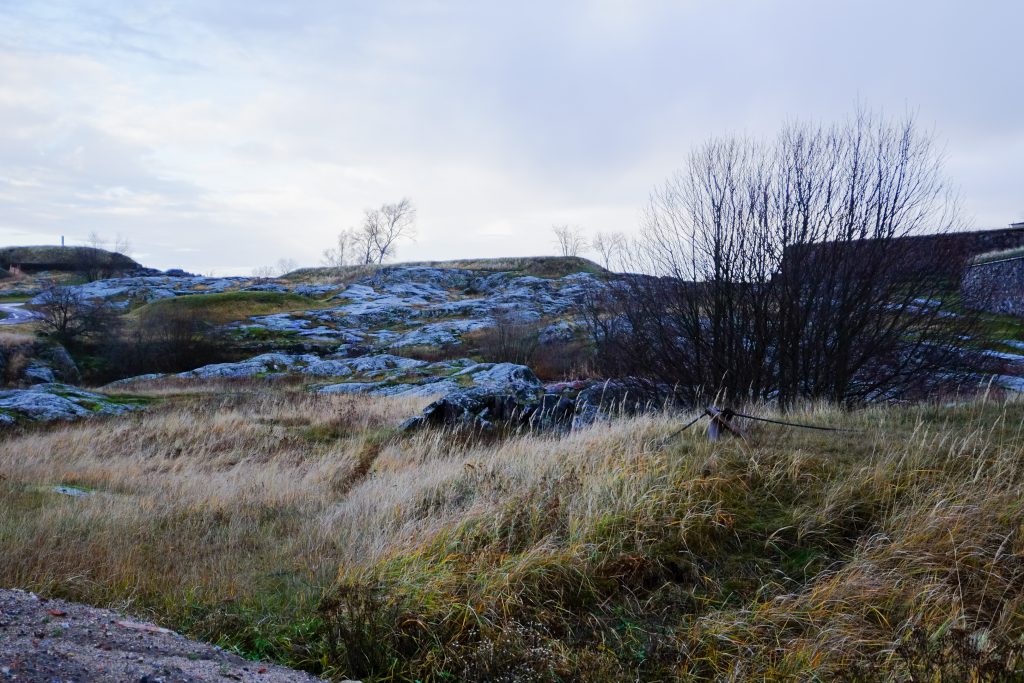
(610, 248)
(341, 254)
(96, 241)
(569, 239)
(285, 266)
(785, 269)
(66, 316)
(122, 245)
(263, 272)
(376, 240)
(92, 260)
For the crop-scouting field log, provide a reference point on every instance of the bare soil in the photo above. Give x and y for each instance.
(52, 640)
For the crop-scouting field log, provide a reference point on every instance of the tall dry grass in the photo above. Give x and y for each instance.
(303, 527)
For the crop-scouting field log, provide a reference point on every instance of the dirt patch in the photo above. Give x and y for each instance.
(53, 640)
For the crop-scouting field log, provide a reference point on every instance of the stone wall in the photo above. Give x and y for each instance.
(995, 287)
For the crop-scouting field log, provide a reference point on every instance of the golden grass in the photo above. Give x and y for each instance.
(304, 528)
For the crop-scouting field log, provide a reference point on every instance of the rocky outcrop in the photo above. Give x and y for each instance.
(25, 361)
(414, 306)
(123, 292)
(52, 402)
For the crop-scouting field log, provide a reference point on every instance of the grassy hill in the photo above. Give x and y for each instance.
(306, 529)
(73, 259)
(538, 266)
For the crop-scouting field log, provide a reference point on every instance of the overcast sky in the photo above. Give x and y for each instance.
(222, 136)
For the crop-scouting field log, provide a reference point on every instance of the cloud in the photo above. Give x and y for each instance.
(254, 131)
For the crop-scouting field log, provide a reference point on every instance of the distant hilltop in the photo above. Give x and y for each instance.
(64, 259)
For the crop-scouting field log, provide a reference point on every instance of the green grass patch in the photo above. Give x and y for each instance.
(229, 307)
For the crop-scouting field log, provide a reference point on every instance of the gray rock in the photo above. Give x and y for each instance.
(442, 333)
(131, 380)
(52, 402)
(501, 392)
(38, 373)
(349, 388)
(265, 364)
(40, 362)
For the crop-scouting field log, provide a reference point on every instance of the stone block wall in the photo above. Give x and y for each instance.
(995, 287)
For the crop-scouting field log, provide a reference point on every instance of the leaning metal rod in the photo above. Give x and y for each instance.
(682, 429)
(794, 424)
(732, 413)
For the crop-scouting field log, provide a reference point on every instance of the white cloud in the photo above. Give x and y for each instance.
(247, 132)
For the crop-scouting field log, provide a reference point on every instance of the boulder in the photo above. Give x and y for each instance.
(27, 361)
(52, 402)
(499, 392)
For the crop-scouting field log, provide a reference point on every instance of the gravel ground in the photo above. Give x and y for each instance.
(48, 641)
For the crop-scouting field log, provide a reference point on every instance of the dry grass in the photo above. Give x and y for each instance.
(302, 527)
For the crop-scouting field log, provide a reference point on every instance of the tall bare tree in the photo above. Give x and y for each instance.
(569, 239)
(788, 268)
(610, 248)
(341, 253)
(376, 239)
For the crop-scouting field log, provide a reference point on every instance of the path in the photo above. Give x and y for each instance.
(47, 640)
(15, 314)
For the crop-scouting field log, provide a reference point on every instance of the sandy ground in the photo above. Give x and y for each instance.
(51, 640)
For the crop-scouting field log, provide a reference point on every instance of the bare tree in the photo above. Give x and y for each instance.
(787, 269)
(610, 248)
(569, 239)
(341, 254)
(382, 229)
(95, 241)
(376, 239)
(263, 272)
(285, 266)
(122, 245)
(66, 316)
(92, 260)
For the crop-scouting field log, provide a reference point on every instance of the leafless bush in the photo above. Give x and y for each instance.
(782, 269)
(510, 341)
(68, 317)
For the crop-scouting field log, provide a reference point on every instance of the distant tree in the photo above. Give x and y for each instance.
(569, 239)
(384, 227)
(122, 245)
(376, 239)
(66, 316)
(92, 259)
(609, 247)
(341, 254)
(780, 270)
(263, 272)
(95, 241)
(285, 266)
